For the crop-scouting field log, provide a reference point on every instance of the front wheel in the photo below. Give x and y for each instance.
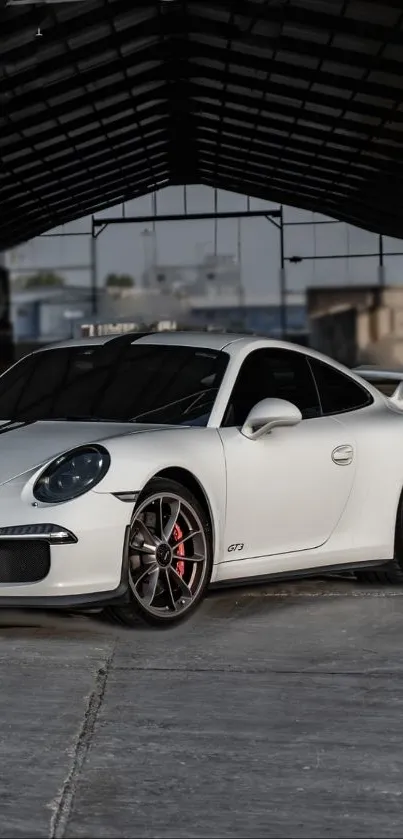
(170, 556)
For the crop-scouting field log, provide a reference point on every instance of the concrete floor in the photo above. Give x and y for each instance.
(275, 712)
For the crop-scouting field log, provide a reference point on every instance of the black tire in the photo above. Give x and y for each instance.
(390, 574)
(134, 612)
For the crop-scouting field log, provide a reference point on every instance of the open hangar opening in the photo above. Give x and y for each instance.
(293, 101)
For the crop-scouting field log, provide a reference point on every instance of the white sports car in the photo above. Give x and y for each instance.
(135, 471)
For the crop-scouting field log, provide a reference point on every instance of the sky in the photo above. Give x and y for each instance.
(120, 248)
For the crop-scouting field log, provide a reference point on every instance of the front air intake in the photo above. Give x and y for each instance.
(24, 561)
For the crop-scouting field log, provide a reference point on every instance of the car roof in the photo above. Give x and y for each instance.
(233, 343)
(205, 340)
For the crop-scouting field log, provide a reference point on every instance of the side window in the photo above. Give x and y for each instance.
(338, 393)
(266, 373)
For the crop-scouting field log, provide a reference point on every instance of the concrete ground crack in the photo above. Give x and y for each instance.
(62, 804)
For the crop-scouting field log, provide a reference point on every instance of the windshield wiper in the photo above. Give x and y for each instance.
(193, 396)
(13, 425)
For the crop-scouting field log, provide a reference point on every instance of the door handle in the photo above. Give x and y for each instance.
(343, 455)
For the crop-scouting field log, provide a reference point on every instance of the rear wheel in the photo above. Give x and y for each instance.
(170, 556)
(392, 572)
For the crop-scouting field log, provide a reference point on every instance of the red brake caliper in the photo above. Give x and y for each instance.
(180, 565)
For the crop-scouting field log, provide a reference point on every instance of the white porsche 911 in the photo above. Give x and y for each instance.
(135, 471)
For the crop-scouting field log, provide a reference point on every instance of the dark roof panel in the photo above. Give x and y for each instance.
(295, 101)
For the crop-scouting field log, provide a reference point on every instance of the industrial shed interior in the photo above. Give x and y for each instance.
(295, 101)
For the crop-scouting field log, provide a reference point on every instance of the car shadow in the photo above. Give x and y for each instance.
(219, 602)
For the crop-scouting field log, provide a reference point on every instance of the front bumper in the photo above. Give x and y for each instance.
(87, 600)
(88, 572)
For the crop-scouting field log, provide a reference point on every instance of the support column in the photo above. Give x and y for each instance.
(94, 276)
(283, 280)
(381, 265)
(7, 355)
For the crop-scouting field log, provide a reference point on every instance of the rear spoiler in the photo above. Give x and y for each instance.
(379, 376)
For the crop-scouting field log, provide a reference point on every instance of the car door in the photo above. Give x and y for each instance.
(285, 490)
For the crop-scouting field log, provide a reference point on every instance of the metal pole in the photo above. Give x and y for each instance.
(94, 272)
(215, 222)
(283, 289)
(381, 269)
(154, 239)
(104, 222)
(38, 268)
(341, 256)
(241, 290)
(6, 329)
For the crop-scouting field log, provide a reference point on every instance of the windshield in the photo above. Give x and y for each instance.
(171, 385)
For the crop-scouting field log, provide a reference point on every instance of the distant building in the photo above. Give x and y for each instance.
(45, 314)
(42, 315)
(144, 304)
(214, 296)
(357, 324)
(256, 314)
(48, 313)
(215, 275)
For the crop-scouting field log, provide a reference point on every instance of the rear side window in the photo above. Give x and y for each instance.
(338, 393)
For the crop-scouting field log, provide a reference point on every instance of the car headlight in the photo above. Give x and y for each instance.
(72, 474)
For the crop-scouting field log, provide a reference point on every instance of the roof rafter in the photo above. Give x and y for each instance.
(290, 100)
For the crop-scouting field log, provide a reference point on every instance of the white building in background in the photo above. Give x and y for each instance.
(43, 315)
(143, 304)
(49, 314)
(208, 292)
(214, 276)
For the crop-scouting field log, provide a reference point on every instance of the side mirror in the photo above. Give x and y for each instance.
(268, 414)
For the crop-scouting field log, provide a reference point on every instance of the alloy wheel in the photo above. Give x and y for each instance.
(168, 555)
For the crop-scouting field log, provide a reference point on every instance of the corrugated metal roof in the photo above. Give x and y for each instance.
(296, 101)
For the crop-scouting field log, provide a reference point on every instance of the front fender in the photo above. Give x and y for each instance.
(138, 458)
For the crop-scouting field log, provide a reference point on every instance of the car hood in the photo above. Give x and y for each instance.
(25, 448)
